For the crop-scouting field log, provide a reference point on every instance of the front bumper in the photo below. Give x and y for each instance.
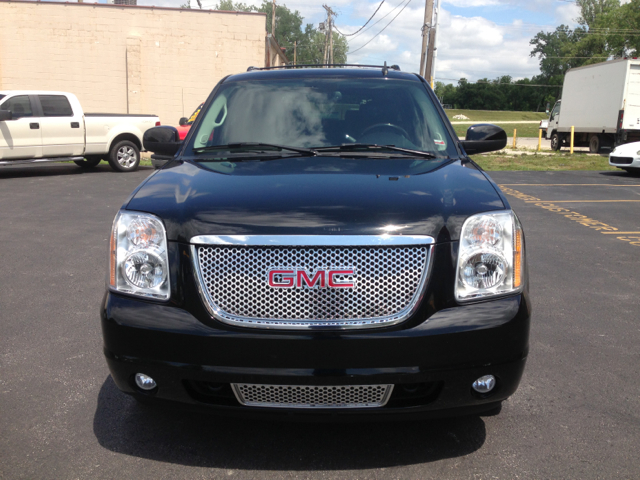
(432, 364)
(623, 161)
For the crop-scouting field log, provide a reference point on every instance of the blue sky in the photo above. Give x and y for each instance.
(476, 38)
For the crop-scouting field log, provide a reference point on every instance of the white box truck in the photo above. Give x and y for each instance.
(601, 102)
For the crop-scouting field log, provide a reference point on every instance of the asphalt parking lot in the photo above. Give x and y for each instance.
(576, 414)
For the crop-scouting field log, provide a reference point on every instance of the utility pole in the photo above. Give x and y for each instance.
(328, 44)
(435, 44)
(426, 30)
(273, 20)
(295, 52)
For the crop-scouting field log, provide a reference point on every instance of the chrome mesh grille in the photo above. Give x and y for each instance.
(304, 396)
(387, 284)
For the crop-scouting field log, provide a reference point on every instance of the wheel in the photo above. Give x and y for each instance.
(594, 144)
(385, 125)
(124, 156)
(88, 162)
(555, 142)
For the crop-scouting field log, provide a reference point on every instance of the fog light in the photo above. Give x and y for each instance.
(484, 384)
(145, 382)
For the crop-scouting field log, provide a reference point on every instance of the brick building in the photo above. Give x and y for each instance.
(134, 59)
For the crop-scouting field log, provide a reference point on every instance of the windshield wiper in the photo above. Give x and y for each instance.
(253, 146)
(348, 147)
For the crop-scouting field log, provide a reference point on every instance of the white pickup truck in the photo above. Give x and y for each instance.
(37, 126)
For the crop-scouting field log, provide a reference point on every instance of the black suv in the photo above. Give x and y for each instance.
(321, 243)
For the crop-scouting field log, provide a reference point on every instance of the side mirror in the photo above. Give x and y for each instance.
(5, 115)
(162, 140)
(183, 121)
(484, 137)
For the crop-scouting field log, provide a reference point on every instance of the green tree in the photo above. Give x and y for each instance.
(622, 28)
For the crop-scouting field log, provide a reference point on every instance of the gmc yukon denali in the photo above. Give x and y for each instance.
(320, 244)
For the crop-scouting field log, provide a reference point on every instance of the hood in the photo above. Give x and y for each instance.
(626, 150)
(316, 196)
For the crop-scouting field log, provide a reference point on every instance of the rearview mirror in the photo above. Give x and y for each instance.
(5, 115)
(484, 137)
(183, 121)
(162, 140)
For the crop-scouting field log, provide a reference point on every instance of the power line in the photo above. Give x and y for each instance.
(370, 40)
(382, 18)
(350, 34)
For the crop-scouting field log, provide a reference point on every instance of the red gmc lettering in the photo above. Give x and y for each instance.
(300, 279)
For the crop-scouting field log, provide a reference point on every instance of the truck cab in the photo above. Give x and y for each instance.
(554, 119)
(40, 125)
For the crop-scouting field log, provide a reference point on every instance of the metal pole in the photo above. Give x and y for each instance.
(572, 135)
(435, 44)
(539, 139)
(515, 132)
(426, 26)
(295, 52)
(126, 73)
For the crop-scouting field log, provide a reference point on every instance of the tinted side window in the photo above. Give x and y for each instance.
(20, 106)
(55, 106)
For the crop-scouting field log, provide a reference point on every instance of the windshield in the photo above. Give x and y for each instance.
(1, 97)
(314, 113)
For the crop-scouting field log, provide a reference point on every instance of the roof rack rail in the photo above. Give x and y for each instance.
(384, 67)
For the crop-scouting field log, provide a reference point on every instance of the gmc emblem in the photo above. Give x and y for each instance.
(300, 278)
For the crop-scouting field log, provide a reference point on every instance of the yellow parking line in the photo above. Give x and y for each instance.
(565, 185)
(580, 201)
(621, 233)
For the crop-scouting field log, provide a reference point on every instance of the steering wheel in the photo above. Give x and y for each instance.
(385, 125)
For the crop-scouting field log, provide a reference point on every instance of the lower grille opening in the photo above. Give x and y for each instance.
(312, 396)
(621, 160)
(414, 394)
(403, 395)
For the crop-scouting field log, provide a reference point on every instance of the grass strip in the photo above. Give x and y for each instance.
(535, 162)
(495, 116)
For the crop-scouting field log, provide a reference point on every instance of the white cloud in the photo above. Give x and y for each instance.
(472, 3)
(567, 14)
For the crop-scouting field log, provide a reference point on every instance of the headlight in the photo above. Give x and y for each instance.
(638, 152)
(491, 256)
(139, 264)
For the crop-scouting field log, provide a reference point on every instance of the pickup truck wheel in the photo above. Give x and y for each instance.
(124, 156)
(88, 162)
(555, 142)
(594, 144)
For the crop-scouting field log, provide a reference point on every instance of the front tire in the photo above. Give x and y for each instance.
(124, 156)
(555, 142)
(88, 162)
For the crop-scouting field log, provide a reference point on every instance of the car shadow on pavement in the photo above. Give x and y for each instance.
(57, 169)
(194, 439)
(620, 173)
